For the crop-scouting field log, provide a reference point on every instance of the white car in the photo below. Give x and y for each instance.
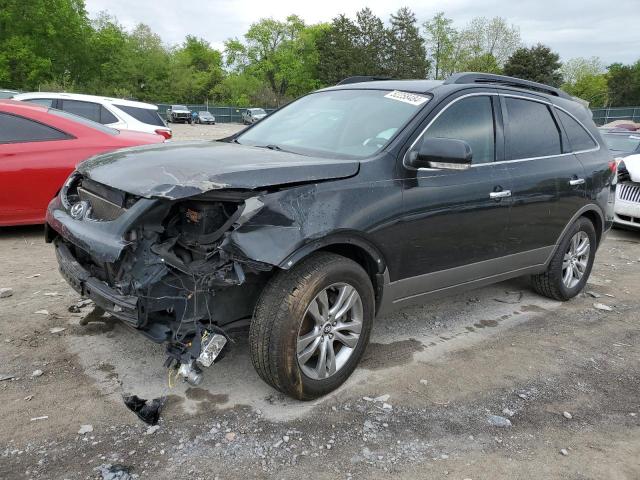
(113, 112)
(627, 206)
(252, 115)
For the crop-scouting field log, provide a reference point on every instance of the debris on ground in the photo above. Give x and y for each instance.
(28, 398)
(567, 415)
(75, 308)
(4, 377)
(594, 294)
(35, 275)
(35, 419)
(564, 451)
(114, 472)
(147, 411)
(498, 421)
(37, 373)
(508, 412)
(602, 306)
(151, 430)
(57, 329)
(42, 312)
(93, 316)
(512, 298)
(85, 429)
(51, 294)
(6, 292)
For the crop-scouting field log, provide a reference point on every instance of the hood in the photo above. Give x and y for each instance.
(182, 170)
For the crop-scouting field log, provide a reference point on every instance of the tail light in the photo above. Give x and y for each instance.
(613, 165)
(165, 133)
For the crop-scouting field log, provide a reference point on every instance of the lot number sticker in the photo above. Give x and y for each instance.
(406, 97)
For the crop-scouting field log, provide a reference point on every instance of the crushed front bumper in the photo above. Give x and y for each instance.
(122, 307)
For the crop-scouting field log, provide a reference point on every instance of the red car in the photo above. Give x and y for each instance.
(40, 147)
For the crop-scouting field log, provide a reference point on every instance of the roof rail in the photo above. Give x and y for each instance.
(361, 78)
(473, 77)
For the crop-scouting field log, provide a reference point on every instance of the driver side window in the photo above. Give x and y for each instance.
(470, 119)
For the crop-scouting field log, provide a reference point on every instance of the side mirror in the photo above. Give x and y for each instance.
(444, 153)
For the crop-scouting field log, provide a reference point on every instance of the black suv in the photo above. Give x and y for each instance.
(351, 201)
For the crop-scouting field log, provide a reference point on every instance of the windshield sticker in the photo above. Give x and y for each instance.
(406, 97)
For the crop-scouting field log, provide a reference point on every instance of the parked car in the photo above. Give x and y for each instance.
(621, 142)
(627, 207)
(178, 114)
(205, 117)
(112, 112)
(8, 94)
(39, 148)
(345, 204)
(252, 115)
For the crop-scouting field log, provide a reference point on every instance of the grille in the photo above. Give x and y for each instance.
(101, 209)
(629, 192)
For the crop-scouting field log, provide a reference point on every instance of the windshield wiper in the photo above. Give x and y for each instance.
(272, 147)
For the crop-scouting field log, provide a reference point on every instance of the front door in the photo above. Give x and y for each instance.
(455, 221)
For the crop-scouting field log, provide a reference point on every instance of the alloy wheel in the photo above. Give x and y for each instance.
(576, 259)
(330, 331)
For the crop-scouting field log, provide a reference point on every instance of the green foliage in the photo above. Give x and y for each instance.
(407, 56)
(624, 85)
(53, 45)
(537, 63)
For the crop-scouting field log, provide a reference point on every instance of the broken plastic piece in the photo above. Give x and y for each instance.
(191, 374)
(147, 411)
(114, 472)
(212, 345)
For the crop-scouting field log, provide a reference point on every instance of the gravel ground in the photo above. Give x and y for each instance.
(423, 404)
(184, 131)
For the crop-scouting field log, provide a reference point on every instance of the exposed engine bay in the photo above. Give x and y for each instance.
(172, 271)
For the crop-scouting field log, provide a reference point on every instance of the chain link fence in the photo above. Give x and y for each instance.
(602, 116)
(222, 114)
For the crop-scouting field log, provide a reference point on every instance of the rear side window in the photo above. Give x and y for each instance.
(579, 139)
(144, 115)
(16, 129)
(45, 102)
(88, 110)
(531, 130)
(106, 116)
(471, 120)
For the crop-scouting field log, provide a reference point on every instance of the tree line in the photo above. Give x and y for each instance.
(54, 45)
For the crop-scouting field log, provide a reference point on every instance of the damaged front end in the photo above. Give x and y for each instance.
(165, 267)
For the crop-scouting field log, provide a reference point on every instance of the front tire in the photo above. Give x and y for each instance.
(311, 325)
(571, 265)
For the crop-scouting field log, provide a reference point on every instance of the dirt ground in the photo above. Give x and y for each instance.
(418, 407)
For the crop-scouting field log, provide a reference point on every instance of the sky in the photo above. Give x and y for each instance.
(573, 28)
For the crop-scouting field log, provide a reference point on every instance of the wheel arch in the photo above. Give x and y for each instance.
(351, 246)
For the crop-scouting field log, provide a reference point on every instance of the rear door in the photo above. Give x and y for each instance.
(30, 170)
(454, 225)
(548, 184)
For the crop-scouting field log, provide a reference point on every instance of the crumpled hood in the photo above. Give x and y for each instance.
(181, 170)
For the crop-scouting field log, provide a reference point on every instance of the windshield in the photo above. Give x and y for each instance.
(258, 111)
(622, 143)
(84, 121)
(179, 107)
(340, 123)
(204, 114)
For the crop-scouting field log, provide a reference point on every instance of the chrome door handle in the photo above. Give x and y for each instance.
(576, 181)
(501, 194)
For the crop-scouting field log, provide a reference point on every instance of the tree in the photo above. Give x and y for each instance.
(624, 85)
(42, 40)
(490, 36)
(406, 52)
(370, 40)
(278, 52)
(537, 63)
(196, 69)
(440, 42)
(584, 78)
(575, 69)
(338, 56)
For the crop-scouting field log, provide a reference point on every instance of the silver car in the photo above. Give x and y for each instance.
(252, 115)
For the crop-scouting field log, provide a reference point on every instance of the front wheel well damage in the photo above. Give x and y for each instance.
(363, 258)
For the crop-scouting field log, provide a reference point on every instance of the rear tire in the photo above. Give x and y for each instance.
(293, 325)
(570, 266)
